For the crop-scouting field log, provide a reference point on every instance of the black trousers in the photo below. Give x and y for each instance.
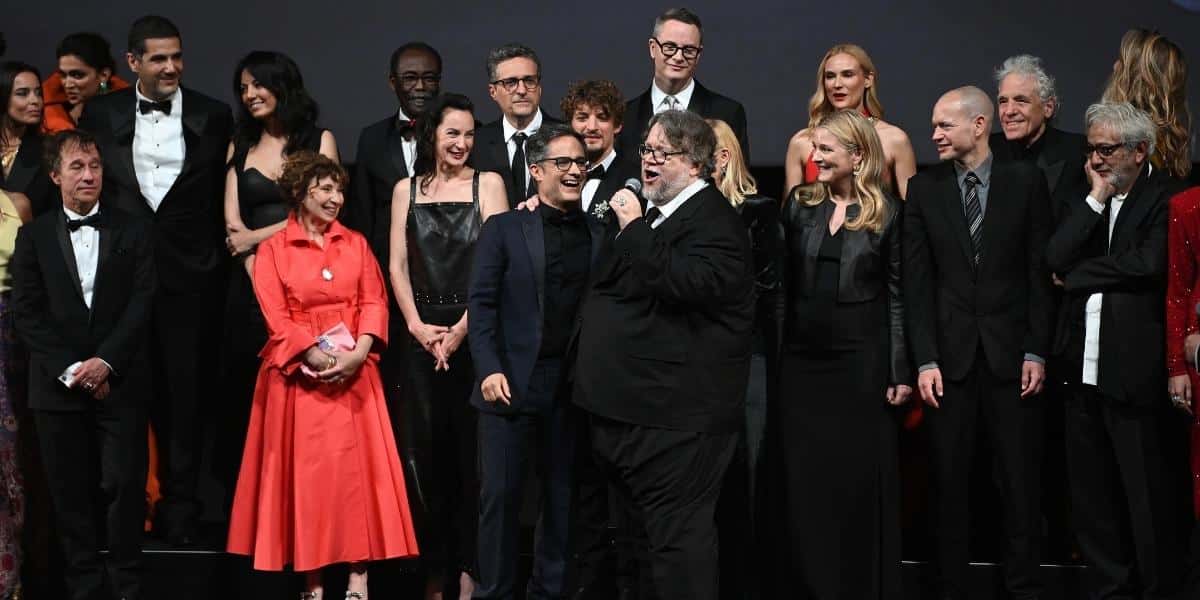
(437, 447)
(1129, 499)
(542, 434)
(667, 482)
(980, 408)
(182, 335)
(95, 460)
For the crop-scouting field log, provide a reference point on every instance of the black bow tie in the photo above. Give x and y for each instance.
(407, 127)
(596, 173)
(147, 106)
(89, 221)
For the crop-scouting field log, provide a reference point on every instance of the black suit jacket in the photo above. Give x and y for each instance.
(1004, 305)
(188, 227)
(380, 165)
(28, 175)
(1132, 276)
(55, 323)
(704, 102)
(1059, 154)
(507, 301)
(623, 168)
(491, 154)
(665, 329)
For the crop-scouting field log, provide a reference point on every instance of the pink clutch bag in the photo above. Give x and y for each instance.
(336, 338)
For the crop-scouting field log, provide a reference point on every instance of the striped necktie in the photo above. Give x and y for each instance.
(974, 213)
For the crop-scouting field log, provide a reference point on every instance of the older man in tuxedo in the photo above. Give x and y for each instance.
(164, 151)
(83, 282)
(664, 353)
(978, 311)
(675, 46)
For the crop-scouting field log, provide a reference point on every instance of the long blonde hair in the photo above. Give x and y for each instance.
(736, 182)
(820, 107)
(857, 135)
(1151, 74)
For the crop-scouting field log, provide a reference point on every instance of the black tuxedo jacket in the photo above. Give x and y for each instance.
(28, 175)
(953, 307)
(623, 168)
(1131, 273)
(507, 301)
(380, 164)
(55, 323)
(491, 154)
(665, 330)
(1059, 154)
(704, 102)
(188, 227)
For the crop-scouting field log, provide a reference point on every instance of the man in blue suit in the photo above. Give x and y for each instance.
(530, 273)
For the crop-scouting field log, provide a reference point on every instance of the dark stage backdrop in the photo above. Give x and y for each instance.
(762, 53)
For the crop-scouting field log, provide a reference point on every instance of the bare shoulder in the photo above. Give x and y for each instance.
(490, 180)
(800, 139)
(891, 135)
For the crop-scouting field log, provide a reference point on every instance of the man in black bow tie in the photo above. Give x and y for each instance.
(83, 281)
(164, 150)
(596, 111)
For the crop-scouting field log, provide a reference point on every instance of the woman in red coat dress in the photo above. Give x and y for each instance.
(1183, 293)
(320, 481)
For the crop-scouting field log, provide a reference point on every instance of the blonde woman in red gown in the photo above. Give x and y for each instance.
(320, 481)
(1183, 293)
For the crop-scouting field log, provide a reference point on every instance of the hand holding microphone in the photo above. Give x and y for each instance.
(625, 204)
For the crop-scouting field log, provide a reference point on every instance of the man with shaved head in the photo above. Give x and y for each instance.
(978, 310)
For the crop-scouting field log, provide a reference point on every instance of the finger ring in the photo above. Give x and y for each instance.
(1175, 397)
(620, 202)
(89, 385)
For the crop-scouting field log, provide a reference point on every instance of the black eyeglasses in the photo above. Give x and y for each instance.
(409, 80)
(510, 84)
(1104, 150)
(563, 163)
(656, 155)
(670, 48)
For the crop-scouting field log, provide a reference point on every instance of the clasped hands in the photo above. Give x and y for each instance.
(334, 366)
(440, 341)
(92, 377)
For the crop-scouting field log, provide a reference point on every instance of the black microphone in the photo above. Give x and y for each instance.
(634, 185)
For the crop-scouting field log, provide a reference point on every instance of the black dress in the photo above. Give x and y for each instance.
(438, 437)
(843, 345)
(261, 203)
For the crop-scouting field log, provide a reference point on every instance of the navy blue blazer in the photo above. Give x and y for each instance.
(506, 301)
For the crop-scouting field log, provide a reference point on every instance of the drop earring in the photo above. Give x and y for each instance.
(104, 87)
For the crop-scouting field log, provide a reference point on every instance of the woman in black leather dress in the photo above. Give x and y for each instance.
(275, 119)
(436, 216)
(844, 367)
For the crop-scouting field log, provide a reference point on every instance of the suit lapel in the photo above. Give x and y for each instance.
(194, 123)
(596, 229)
(108, 235)
(395, 151)
(1051, 171)
(701, 101)
(995, 219)
(955, 219)
(499, 152)
(1132, 210)
(535, 242)
(26, 165)
(68, 252)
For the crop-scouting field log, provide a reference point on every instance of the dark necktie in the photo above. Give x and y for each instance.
(652, 215)
(147, 106)
(90, 221)
(973, 210)
(596, 173)
(518, 164)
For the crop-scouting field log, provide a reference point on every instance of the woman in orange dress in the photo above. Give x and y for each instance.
(320, 481)
(85, 70)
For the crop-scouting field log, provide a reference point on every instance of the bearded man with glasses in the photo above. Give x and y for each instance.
(675, 45)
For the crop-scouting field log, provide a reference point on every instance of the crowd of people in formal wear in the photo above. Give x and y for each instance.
(704, 385)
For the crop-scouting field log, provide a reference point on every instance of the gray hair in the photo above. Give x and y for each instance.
(1130, 123)
(508, 52)
(689, 132)
(1029, 65)
(538, 144)
(682, 15)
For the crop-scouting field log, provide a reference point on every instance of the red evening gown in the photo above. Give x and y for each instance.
(320, 481)
(1183, 251)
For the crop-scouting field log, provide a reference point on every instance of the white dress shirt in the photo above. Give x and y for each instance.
(1091, 336)
(158, 148)
(409, 146)
(672, 205)
(589, 188)
(510, 130)
(85, 242)
(662, 100)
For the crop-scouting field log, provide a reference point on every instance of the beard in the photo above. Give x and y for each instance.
(666, 189)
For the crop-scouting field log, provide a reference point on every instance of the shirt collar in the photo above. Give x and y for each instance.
(74, 215)
(401, 117)
(684, 96)
(294, 232)
(674, 203)
(176, 99)
(983, 171)
(607, 161)
(510, 129)
(554, 215)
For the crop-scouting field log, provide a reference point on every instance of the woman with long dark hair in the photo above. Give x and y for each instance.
(436, 216)
(22, 174)
(276, 118)
(85, 69)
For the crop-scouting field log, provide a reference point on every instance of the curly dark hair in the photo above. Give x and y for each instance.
(302, 168)
(296, 111)
(596, 93)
